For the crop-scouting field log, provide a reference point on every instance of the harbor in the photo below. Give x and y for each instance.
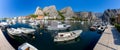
(44, 39)
(59, 25)
(109, 39)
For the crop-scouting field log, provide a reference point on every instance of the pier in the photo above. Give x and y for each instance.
(4, 44)
(110, 40)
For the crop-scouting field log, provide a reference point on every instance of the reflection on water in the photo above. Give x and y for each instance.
(68, 42)
(45, 41)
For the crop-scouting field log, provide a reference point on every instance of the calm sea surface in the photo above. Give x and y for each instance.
(44, 41)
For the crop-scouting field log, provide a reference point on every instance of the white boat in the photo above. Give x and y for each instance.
(14, 21)
(20, 31)
(13, 31)
(58, 26)
(35, 27)
(27, 30)
(24, 21)
(19, 21)
(4, 24)
(33, 24)
(82, 22)
(26, 46)
(101, 28)
(9, 21)
(66, 36)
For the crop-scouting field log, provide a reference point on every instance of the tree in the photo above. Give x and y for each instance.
(112, 20)
(33, 16)
(62, 17)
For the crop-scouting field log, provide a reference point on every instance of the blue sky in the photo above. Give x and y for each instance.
(11, 8)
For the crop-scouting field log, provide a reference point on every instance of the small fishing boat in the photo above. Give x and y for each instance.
(101, 28)
(58, 26)
(35, 27)
(24, 21)
(27, 46)
(93, 28)
(27, 30)
(9, 21)
(82, 22)
(14, 32)
(20, 31)
(66, 36)
(4, 24)
(33, 24)
(14, 21)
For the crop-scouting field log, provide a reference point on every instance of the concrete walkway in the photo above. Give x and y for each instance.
(110, 40)
(4, 44)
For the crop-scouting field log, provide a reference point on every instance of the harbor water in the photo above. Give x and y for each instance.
(44, 38)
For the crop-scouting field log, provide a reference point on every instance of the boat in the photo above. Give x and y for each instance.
(82, 22)
(58, 26)
(14, 32)
(33, 24)
(19, 31)
(4, 25)
(93, 28)
(9, 21)
(24, 21)
(26, 46)
(27, 30)
(101, 28)
(14, 22)
(35, 27)
(66, 36)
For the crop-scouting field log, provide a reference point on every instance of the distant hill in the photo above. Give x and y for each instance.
(110, 13)
(51, 11)
(68, 13)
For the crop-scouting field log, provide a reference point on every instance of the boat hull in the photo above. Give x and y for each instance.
(78, 32)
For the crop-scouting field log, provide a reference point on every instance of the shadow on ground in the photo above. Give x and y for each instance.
(116, 35)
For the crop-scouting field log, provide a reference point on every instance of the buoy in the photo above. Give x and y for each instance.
(40, 33)
(33, 37)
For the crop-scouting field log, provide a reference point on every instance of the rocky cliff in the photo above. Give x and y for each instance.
(110, 13)
(99, 15)
(67, 12)
(51, 11)
(39, 11)
(86, 15)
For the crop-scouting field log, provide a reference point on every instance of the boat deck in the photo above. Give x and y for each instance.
(110, 40)
(4, 44)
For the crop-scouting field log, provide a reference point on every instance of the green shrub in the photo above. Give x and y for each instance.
(62, 17)
(118, 27)
(33, 16)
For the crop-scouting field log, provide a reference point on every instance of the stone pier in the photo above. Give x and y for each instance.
(110, 40)
(4, 44)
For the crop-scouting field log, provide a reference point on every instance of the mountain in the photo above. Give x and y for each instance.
(51, 11)
(99, 15)
(82, 14)
(39, 11)
(86, 15)
(67, 12)
(110, 13)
